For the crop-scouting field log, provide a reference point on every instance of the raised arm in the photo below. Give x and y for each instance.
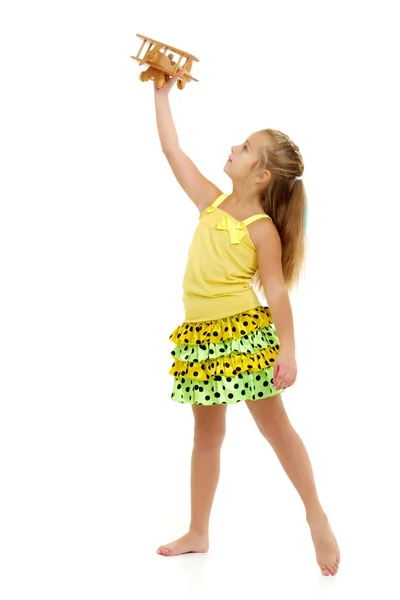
(199, 189)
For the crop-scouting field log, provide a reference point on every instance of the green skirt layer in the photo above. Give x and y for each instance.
(225, 390)
(256, 340)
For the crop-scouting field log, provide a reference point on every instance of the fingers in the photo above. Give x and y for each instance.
(170, 82)
(283, 379)
(279, 375)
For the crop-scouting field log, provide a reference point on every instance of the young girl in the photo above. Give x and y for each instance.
(230, 348)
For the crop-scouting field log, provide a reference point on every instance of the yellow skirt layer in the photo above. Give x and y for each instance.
(228, 366)
(235, 326)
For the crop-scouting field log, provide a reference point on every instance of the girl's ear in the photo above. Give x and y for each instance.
(263, 176)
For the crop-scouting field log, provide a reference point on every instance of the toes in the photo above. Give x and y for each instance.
(331, 569)
(327, 570)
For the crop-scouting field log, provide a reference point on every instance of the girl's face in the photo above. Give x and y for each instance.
(244, 158)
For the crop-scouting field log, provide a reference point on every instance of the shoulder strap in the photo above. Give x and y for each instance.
(255, 218)
(220, 199)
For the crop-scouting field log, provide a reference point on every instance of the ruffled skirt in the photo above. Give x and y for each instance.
(225, 361)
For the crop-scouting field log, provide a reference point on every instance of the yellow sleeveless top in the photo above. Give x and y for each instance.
(221, 262)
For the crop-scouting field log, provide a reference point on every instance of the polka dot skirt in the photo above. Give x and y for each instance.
(225, 361)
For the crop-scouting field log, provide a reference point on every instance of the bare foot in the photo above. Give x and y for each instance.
(191, 542)
(326, 547)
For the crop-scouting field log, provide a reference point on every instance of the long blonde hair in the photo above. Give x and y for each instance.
(284, 200)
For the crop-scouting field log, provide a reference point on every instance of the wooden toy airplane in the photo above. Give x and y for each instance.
(162, 66)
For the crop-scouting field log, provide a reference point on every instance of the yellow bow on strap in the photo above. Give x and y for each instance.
(236, 232)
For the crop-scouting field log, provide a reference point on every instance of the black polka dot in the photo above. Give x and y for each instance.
(207, 397)
(236, 386)
(260, 394)
(230, 396)
(188, 389)
(217, 395)
(258, 377)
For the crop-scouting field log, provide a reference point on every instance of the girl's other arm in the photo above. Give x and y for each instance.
(269, 252)
(199, 189)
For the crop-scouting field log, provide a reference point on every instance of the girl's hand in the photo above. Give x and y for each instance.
(164, 91)
(285, 370)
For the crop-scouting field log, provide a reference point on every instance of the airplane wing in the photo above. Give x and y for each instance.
(176, 50)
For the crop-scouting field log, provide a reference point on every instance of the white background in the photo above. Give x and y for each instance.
(95, 457)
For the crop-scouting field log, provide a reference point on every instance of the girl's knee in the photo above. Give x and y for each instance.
(206, 439)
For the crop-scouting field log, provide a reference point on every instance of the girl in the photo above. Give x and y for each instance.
(230, 348)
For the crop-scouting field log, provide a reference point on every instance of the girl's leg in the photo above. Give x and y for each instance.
(272, 420)
(209, 433)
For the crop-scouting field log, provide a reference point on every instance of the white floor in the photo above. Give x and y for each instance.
(83, 512)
